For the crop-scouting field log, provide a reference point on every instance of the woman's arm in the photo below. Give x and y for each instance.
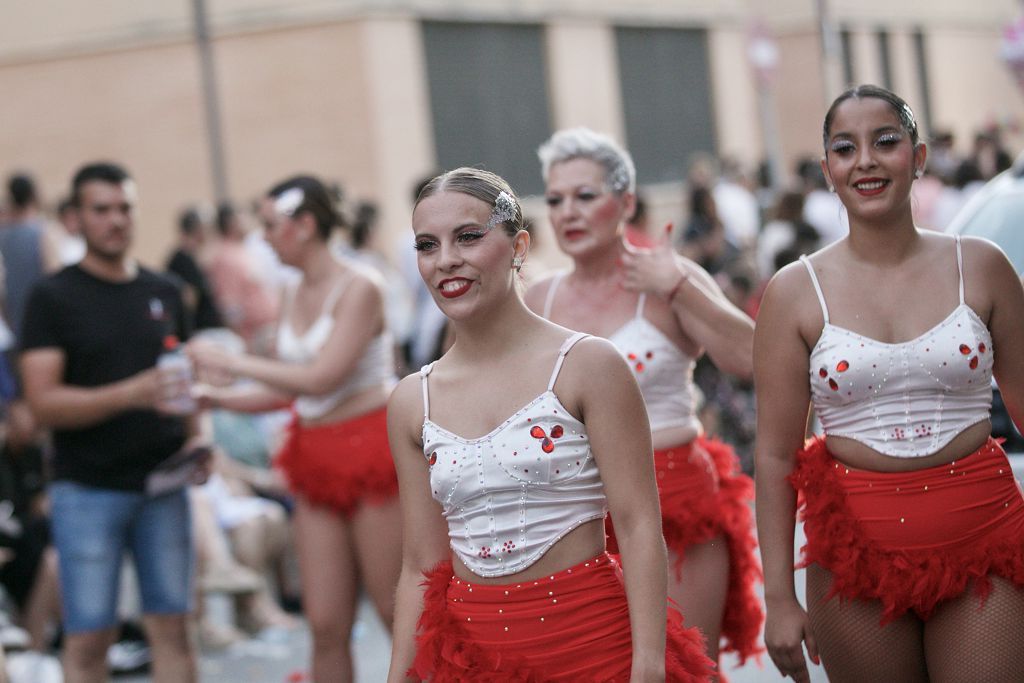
(613, 410)
(702, 310)
(424, 533)
(783, 394)
(985, 260)
(358, 318)
(246, 398)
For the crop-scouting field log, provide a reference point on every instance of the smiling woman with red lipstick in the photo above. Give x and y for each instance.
(914, 524)
(510, 450)
(661, 312)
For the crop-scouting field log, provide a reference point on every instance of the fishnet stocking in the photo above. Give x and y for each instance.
(853, 647)
(967, 641)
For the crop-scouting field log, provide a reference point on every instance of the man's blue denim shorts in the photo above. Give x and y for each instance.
(92, 529)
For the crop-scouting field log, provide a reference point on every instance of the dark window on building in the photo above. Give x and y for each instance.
(488, 98)
(666, 98)
(921, 53)
(884, 58)
(846, 41)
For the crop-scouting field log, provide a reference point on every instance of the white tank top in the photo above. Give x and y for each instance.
(510, 495)
(663, 371)
(907, 399)
(375, 367)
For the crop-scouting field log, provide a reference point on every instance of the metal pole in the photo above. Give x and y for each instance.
(211, 108)
(831, 52)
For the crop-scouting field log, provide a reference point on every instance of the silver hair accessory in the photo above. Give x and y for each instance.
(504, 209)
(289, 201)
(619, 180)
(517, 262)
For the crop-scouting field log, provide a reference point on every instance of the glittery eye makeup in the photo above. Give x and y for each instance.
(842, 147)
(464, 236)
(888, 140)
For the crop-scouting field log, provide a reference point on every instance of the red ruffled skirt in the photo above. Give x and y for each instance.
(911, 539)
(705, 495)
(572, 627)
(340, 465)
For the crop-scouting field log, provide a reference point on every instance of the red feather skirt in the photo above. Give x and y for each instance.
(571, 627)
(912, 539)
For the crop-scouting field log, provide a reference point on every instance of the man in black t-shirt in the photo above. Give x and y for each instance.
(91, 338)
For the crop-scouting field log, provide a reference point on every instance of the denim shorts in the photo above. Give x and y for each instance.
(92, 529)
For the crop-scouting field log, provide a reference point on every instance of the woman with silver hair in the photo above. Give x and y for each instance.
(662, 312)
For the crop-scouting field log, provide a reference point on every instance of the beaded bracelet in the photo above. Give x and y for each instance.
(683, 277)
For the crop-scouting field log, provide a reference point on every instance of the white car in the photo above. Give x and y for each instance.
(996, 212)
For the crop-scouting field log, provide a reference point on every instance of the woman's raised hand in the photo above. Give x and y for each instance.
(654, 269)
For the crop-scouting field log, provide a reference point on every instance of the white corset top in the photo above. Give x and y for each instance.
(375, 367)
(510, 495)
(663, 372)
(907, 399)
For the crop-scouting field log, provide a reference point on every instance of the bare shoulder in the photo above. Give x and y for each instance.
(594, 364)
(405, 406)
(981, 253)
(790, 306)
(538, 291)
(791, 284)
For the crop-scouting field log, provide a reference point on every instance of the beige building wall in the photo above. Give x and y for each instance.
(734, 96)
(970, 86)
(139, 107)
(338, 87)
(583, 76)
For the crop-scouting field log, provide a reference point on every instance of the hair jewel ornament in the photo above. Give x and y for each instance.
(289, 201)
(504, 209)
(619, 179)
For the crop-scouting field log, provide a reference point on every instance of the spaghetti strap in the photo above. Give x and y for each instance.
(332, 296)
(817, 288)
(640, 304)
(424, 371)
(566, 345)
(549, 299)
(960, 267)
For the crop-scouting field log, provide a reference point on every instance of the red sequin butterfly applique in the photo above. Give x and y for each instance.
(966, 350)
(637, 361)
(841, 366)
(546, 444)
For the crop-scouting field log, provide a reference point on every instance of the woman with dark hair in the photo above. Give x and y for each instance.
(661, 312)
(335, 368)
(914, 523)
(505, 483)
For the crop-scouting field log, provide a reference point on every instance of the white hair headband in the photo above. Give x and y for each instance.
(288, 202)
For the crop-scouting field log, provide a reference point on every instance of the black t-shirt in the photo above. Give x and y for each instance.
(184, 266)
(108, 331)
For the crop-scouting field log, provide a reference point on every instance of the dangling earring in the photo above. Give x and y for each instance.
(918, 173)
(517, 263)
(832, 188)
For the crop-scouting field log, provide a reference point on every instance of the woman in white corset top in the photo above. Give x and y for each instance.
(335, 369)
(510, 449)
(914, 523)
(661, 312)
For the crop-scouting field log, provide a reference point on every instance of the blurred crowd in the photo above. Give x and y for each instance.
(733, 221)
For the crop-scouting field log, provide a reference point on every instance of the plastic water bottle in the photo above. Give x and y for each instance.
(175, 364)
